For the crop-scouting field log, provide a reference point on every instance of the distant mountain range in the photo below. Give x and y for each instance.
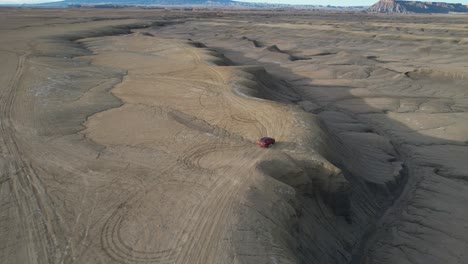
(408, 7)
(183, 3)
(150, 2)
(383, 6)
(123, 3)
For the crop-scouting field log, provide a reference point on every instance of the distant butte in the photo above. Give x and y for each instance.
(407, 7)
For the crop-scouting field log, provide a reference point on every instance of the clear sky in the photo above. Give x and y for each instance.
(302, 2)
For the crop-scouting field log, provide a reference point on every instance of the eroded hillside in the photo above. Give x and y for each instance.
(130, 136)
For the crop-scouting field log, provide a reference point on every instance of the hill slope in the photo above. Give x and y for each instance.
(404, 7)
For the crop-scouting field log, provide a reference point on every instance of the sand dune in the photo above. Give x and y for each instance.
(129, 136)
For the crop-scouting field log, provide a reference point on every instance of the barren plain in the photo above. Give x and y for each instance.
(129, 136)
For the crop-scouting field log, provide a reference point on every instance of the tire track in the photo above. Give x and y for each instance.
(190, 159)
(111, 236)
(24, 184)
(217, 212)
(224, 164)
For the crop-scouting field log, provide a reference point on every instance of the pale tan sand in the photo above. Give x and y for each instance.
(139, 146)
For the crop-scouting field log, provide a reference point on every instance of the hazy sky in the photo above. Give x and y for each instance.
(25, 1)
(305, 2)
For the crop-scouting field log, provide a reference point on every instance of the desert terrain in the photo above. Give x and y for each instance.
(129, 136)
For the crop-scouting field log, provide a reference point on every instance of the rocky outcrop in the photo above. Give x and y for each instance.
(406, 7)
